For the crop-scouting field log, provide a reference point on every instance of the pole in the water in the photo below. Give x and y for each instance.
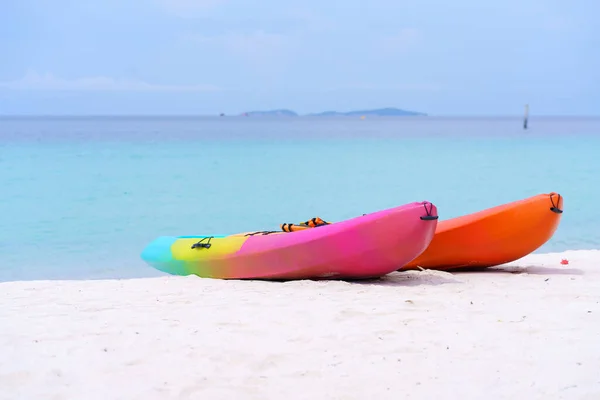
(526, 116)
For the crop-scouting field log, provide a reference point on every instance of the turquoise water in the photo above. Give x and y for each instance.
(82, 196)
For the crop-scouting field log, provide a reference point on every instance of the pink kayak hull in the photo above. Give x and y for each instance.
(363, 247)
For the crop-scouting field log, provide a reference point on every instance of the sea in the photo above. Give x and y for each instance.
(80, 197)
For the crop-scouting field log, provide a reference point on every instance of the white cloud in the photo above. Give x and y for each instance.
(47, 81)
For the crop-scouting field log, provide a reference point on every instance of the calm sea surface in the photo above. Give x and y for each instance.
(80, 197)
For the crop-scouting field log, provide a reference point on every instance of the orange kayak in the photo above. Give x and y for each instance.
(493, 236)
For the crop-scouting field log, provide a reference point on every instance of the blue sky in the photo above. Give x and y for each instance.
(461, 57)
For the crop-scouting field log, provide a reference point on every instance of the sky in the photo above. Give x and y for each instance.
(461, 57)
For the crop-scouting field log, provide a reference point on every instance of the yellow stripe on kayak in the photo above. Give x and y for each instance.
(182, 248)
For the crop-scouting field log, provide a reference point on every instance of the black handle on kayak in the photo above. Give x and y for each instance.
(428, 217)
(554, 207)
(201, 245)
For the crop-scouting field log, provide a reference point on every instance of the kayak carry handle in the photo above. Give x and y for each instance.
(428, 211)
(201, 245)
(554, 207)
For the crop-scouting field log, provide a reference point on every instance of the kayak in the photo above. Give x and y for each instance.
(368, 246)
(493, 236)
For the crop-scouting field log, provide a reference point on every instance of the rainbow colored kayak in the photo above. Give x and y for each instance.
(368, 246)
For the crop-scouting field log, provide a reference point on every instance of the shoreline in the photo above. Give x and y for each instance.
(527, 329)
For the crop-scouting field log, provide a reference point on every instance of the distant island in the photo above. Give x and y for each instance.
(271, 113)
(380, 112)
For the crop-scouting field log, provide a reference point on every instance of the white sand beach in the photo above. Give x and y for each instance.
(527, 330)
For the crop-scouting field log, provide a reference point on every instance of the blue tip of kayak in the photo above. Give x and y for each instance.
(159, 250)
(158, 254)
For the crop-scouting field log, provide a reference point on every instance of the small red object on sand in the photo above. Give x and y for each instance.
(564, 261)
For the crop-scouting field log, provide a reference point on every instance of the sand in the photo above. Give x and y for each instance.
(527, 330)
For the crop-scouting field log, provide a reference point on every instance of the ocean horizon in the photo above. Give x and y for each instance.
(82, 195)
(453, 116)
